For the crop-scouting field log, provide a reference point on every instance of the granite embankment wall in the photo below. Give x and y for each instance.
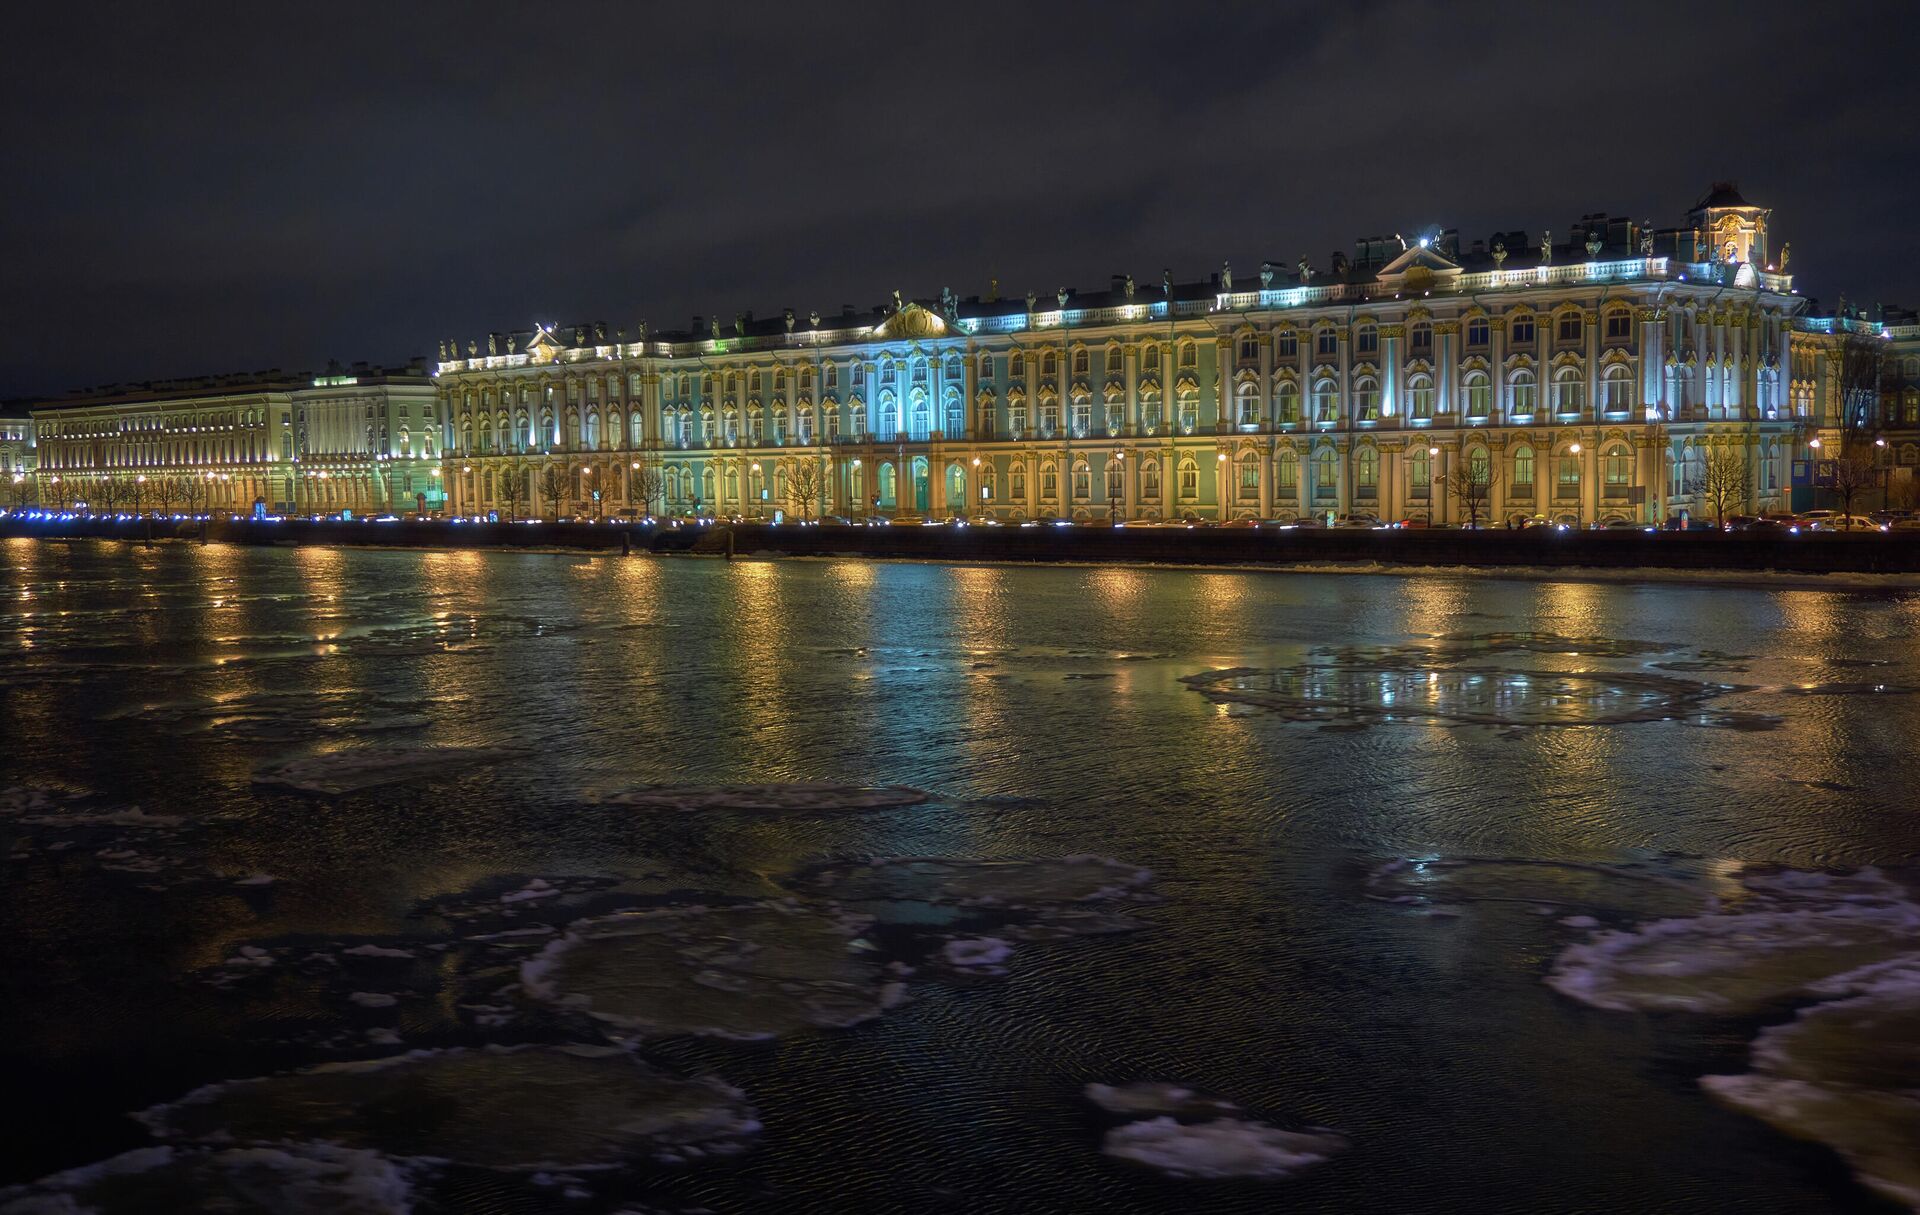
(1811, 553)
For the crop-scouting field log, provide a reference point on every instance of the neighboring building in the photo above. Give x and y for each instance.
(360, 438)
(17, 454)
(1856, 405)
(1581, 379)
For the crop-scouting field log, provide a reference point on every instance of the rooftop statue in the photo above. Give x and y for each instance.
(1546, 247)
(1786, 255)
(1306, 270)
(1646, 239)
(493, 343)
(1594, 243)
(443, 351)
(473, 348)
(739, 324)
(1166, 283)
(1266, 275)
(1061, 297)
(713, 328)
(1129, 287)
(789, 319)
(1499, 254)
(813, 320)
(1032, 299)
(640, 330)
(897, 305)
(1226, 277)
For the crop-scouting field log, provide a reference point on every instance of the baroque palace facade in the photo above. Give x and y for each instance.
(1581, 380)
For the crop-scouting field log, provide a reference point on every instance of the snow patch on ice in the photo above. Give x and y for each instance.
(1223, 1148)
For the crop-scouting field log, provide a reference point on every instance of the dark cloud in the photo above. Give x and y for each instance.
(206, 187)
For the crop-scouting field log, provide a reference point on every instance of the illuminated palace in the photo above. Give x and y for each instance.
(357, 439)
(1581, 378)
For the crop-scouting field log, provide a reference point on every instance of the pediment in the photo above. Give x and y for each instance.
(1418, 261)
(912, 321)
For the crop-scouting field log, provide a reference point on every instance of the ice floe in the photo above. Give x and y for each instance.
(294, 1179)
(1154, 1097)
(1222, 1148)
(751, 971)
(515, 1108)
(348, 771)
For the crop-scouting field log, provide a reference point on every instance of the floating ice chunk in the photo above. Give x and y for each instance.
(799, 797)
(1223, 1148)
(1151, 1097)
(520, 1108)
(251, 955)
(257, 879)
(985, 955)
(373, 999)
(538, 888)
(303, 1178)
(381, 1035)
(371, 950)
(368, 767)
(1580, 921)
(752, 971)
(1874, 1129)
(1732, 963)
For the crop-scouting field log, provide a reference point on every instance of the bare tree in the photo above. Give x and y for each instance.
(1859, 367)
(192, 492)
(510, 486)
(1470, 483)
(552, 487)
(803, 485)
(22, 489)
(644, 484)
(1854, 472)
(105, 495)
(1726, 480)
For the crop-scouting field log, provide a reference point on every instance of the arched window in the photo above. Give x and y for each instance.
(1189, 412)
(1082, 481)
(1189, 355)
(1049, 364)
(1150, 480)
(1617, 470)
(1151, 362)
(1326, 473)
(1520, 330)
(1113, 360)
(1419, 473)
(1523, 393)
(1116, 411)
(1286, 400)
(1366, 399)
(1617, 389)
(1479, 394)
(1049, 480)
(1249, 476)
(1017, 365)
(1249, 348)
(1420, 396)
(1326, 401)
(986, 366)
(1189, 479)
(1569, 391)
(1567, 479)
(920, 419)
(1080, 361)
(1049, 415)
(1287, 473)
(1523, 469)
(1326, 342)
(1366, 473)
(1017, 480)
(1420, 339)
(1248, 411)
(1116, 480)
(1572, 326)
(593, 428)
(1082, 415)
(1149, 411)
(1619, 325)
(1479, 467)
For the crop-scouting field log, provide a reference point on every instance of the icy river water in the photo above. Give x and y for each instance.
(365, 881)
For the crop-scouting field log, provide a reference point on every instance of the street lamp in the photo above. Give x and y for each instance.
(856, 465)
(1433, 480)
(1113, 491)
(1579, 503)
(759, 495)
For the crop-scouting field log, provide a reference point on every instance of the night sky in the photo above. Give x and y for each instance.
(204, 188)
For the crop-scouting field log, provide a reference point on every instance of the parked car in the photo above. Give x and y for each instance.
(1904, 525)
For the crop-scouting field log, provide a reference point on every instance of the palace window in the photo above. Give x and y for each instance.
(1420, 474)
(1524, 389)
(1326, 474)
(1082, 416)
(1617, 389)
(1287, 345)
(1189, 413)
(1479, 467)
(1249, 476)
(1189, 480)
(1287, 401)
(1366, 473)
(1114, 366)
(1420, 396)
(1017, 416)
(1249, 348)
(1049, 364)
(1477, 332)
(1327, 343)
(1521, 331)
(1149, 412)
(1082, 481)
(1150, 480)
(1523, 470)
(1569, 391)
(1366, 398)
(1366, 340)
(1189, 355)
(1567, 485)
(1420, 339)
(1116, 483)
(1116, 413)
(1248, 413)
(1049, 416)
(832, 380)
(986, 367)
(1326, 401)
(1049, 481)
(1571, 327)
(1017, 480)
(1618, 470)
(1619, 325)
(1080, 361)
(1287, 473)
(1017, 365)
